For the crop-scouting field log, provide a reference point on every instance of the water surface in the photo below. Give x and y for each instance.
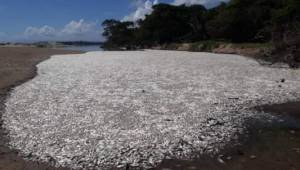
(84, 48)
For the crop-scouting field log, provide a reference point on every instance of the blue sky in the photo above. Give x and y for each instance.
(35, 20)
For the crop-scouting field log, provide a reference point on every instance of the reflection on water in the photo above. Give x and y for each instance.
(84, 48)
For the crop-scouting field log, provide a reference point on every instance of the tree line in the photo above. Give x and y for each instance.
(237, 21)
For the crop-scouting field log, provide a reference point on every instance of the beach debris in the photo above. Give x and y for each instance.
(87, 110)
(252, 157)
(233, 98)
(127, 167)
(220, 159)
(228, 157)
(213, 122)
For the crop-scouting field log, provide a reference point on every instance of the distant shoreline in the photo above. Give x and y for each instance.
(261, 52)
(50, 44)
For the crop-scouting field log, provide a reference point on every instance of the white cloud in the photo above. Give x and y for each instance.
(79, 27)
(46, 31)
(74, 30)
(207, 3)
(142, 10)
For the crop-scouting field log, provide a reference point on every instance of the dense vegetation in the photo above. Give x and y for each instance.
(239, 21)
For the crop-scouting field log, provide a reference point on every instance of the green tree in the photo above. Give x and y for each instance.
(118, 34)
(286, 33)
(243, 20)
(168, 23)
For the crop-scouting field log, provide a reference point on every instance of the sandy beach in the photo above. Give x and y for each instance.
(243, 157)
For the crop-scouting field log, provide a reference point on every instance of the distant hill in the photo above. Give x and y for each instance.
(79, 43)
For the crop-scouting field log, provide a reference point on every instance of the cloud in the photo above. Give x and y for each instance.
(79, 27)
(143, 9)
(45, 31)
(74, 30)
(207, 3)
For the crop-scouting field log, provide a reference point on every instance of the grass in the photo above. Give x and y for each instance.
(207, 46)
(210, 45)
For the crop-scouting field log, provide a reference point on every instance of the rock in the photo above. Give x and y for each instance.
(143, 91)
(282, 80)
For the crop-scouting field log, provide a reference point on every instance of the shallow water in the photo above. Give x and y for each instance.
(84, 48)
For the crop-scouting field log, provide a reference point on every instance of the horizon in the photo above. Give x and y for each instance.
(72, 21)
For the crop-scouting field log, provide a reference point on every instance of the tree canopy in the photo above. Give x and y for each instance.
(236, 21)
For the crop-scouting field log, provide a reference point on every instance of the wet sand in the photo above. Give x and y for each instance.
(273, 146)
(17, 65)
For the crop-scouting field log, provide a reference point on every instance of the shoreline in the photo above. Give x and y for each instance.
(209, 163)
(20, 64)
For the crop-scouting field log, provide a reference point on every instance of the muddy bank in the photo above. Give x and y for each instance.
(275, 145)
(17, 65)
(264, 53)
(254, 50)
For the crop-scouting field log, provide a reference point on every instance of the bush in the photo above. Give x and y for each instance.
(204, 46)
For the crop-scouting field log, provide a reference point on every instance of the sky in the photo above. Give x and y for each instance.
(71, 20)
